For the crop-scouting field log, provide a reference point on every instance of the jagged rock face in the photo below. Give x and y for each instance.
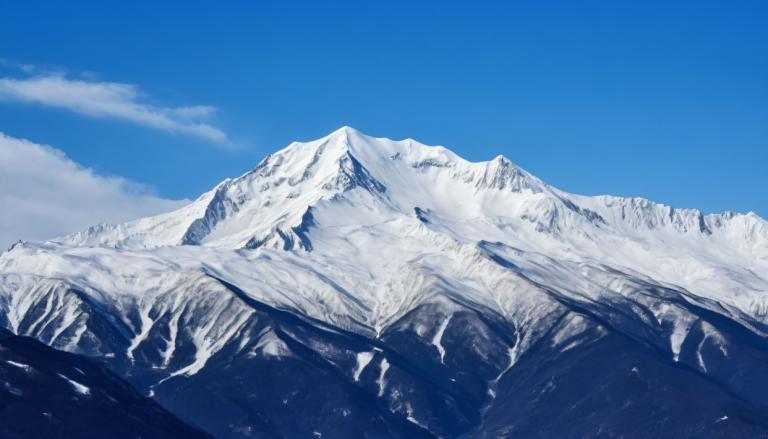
(48, 393)
(362, 287)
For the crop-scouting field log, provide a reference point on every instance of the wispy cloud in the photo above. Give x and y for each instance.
(111, 100)
(44, 194)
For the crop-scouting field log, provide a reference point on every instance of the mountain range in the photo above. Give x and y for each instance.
(355, 286)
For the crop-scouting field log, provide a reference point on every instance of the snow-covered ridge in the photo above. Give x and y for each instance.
(346, 195)
(359, 255)
(359, 231)
(271, 204)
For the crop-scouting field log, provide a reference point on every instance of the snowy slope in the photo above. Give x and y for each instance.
(354, 193)
(391, 240)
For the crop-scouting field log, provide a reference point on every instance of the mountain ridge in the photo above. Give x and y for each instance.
(405, 289)
(498, 173)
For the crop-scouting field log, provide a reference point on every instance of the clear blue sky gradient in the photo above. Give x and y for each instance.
(662, 99)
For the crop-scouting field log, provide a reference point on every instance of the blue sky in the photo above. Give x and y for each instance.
(665, 100)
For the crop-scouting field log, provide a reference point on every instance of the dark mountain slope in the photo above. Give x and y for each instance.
(45, 393)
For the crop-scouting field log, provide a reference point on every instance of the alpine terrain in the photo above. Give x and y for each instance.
(360, 287)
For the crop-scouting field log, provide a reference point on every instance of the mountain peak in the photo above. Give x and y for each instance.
(345, 130)
(374, 179)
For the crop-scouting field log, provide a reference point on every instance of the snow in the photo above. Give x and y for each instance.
(362, 360)
(358, 231)
(409, 416)
(146, 326)
(25, 367)
(513, 354)
(271, 345)
(572, 326)
(711, 335)
(79, 388)
(216, 331)
(381, 381)
(173, 330)
(437, 340)
(681, 323)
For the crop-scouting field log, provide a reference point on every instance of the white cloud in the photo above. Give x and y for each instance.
(112, 100)
(44, 194)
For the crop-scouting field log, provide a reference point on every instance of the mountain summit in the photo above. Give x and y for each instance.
(397, 177)
(273, 198)
(354, 286)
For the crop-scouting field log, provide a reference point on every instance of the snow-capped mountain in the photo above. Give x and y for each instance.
(362, 287)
